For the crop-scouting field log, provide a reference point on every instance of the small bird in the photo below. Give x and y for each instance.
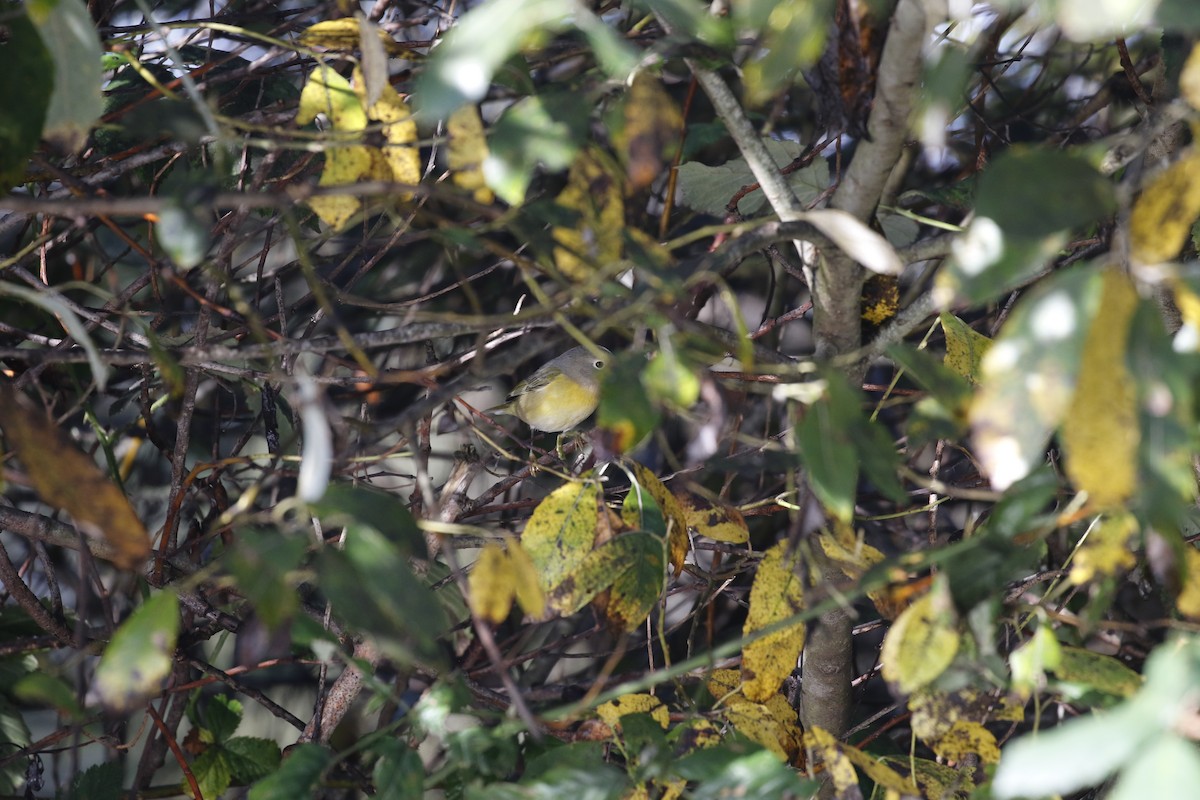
(560, 395)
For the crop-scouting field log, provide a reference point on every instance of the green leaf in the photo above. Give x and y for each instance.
(1165, 381)
(827, 448)
(261, 562)
(730, 771)
(41, 688)
(182, 233)
(1034, 192)
(792, 38)
(372, 587)
(1076, 754)
(221, 717)
(483, 751)
(14, 735)
(23, 102)
(694, 21)
(100, 782)
(625, 417)
(211, 770)
(1029, 374)
(576, 755)
(836, 439)
(1022, 505)
(1165, 765)
(349, 504)
(139, 657)
(709, 189)
(399, 773)
(76, 103)
(604, 782)
(251, 759)
(462, 67)
(544, 130)
(298, 775)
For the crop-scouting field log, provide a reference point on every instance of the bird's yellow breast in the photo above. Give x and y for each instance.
(560, 405)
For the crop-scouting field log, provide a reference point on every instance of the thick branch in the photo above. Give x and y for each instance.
(895, 93)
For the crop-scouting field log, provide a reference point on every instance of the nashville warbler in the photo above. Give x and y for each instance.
(560, 395)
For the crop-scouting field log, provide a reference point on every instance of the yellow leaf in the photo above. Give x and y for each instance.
(400, 151)
(672, 510)
(66, 478)
(965, 347)
(673, 789)
(1188, 303)
(1098, 672)
(883, 775)
(921, 643)
(696, 734)
(638, 792)
(934, 780)
(561, 531)
(596, 240)
(854, 557)
(1188, 601)
(653, 124)
(1163, 215)
(1189, 78)
(719, 522)
(326, 92)
(965, 739)
(612, 711)
(344, 35)
(492, 584)
(830, 753)
(529, 592)
(1107, 550)
(1100, 431)
(630, 569)
(722, 682)
(777, 594)
(343, 166)
(346, 162)
(467, 151)
(756, 722)
(880, 299)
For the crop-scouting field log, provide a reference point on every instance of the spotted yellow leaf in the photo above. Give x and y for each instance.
(467, 151)
(562, 531)
(759, 723)
(777, 594)
(673, 512)
(1163, 215)
(841, 760)
(715, 521)
(653, 124)
(921, 642)
(344, 34)
(965, 347)
(612, 711)
(1107, 550)
(595, 240)
(1100, 430)
(966, 738)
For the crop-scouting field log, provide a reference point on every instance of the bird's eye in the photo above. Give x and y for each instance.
(599, 365)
